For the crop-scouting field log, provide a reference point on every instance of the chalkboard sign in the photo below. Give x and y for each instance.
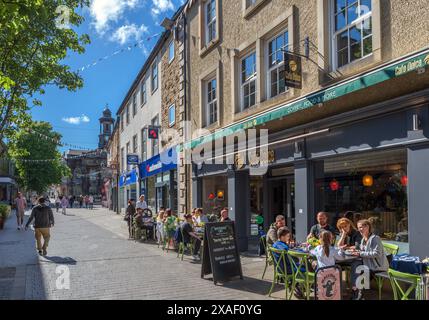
(220, 252)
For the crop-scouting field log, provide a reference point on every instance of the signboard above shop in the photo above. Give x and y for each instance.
(293, 71)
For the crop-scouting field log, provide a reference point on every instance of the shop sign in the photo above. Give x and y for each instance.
(412, 65)
(132, 159)
(263, 158)
(293, 71)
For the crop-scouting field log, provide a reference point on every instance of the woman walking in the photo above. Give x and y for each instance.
(64, 205)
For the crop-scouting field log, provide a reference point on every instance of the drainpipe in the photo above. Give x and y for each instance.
(185, 104)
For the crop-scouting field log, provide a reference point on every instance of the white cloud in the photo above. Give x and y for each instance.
(129, 32)
(161, 6)
(105, 11)
(77, 120)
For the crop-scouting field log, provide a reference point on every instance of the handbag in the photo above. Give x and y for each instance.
(407, 264)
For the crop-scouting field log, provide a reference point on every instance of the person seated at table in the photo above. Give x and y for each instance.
(194, 216)
(224, 215)
(370, 253)
(272, 235)
(325, 253)
(189, 235)
(201, 217)
(349, 236)
(322, 219)
(284, 237)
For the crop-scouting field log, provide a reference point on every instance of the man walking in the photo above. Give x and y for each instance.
(20, 205)
(43, 221)
(64, 204)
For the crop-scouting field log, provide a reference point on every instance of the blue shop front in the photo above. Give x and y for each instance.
(158, 180)
(128, 184)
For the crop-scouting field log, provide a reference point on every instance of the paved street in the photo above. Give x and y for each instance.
(92, 247)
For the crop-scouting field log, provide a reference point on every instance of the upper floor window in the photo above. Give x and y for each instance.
(276, 49)
(352, 37)
(143, 93)
(122, 121)
(211, 106)
(134, 104)
(210, 24)
(135, 146)
(122, 159)
(250, 3)
(128, 114)
(172, 115)
(154, 77)
(248, 81)
(171, 51)
(144, 144)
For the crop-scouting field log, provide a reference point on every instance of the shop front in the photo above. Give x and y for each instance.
(128, 185)
(158, 180)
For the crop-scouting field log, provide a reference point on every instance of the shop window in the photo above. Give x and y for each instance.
(352, 34)
(373, 186)
(215, 196)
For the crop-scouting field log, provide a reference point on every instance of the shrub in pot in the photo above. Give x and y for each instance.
(4, 214)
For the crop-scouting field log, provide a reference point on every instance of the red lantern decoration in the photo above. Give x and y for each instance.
(211, 196)
(404, 180)
(334, 185)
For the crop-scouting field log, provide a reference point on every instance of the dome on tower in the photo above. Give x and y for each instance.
(107, 113)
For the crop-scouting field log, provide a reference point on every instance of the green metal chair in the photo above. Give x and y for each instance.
(183, 246)
(390, 249)
(280, 271)
(301, 274)
(413, 280)
(268, 258)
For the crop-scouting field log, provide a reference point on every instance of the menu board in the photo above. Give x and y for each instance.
(220, 252)
(328, 283)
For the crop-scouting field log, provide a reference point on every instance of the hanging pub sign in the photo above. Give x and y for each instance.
(153, 132)
(220, 252)
(293, 71)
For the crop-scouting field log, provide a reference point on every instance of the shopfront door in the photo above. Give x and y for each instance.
(282, 200)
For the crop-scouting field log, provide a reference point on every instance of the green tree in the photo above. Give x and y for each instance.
(38, 142)
(34, 44)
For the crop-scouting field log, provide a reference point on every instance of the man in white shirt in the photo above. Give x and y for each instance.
(141, 204)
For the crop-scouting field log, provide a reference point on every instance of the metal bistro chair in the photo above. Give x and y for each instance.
(280, 270)
(268, 258)
(301, 273)
(183, 246)
(412, 280)
(390, 250)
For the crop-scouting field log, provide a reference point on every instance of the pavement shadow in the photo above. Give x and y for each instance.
(61, 260)
(248, 284)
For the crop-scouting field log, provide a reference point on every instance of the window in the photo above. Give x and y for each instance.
(154, 77)
(210, 14)
(171, 51)
(122, 121)
(250, 3)
(248, 81)
(128, 114)
(155, 144)
(172, 115)
(211, 106)
(134, 104)
(143, 93)
(135, 146)
(128, 152)
(122, 159)
(144, 144)
(352, 40)
(276, 48)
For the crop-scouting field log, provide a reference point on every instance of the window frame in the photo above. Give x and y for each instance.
(127, 113)
(135, 144)
(253, 78)
(171, 46)
(134, 104)
(143, 93)
(144, 144)
(270, 69)
(209, 104)
(123, 159)
(171, 123)
(334, 34)
(212, 23)
(152, 77)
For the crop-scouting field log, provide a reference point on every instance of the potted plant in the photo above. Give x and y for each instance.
(4, 214)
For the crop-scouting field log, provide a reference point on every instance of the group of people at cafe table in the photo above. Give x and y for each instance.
(356, 245)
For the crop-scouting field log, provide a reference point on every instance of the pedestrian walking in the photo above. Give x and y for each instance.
(91, 202)
(80, 201)
(43, 221)
(57, 204)
(86, 202)
(129, 217)
(20, 205)
(64, 204)
(71, 201)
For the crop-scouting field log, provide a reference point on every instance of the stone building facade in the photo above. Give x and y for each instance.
(354, 137)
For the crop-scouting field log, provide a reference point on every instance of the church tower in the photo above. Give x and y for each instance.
(106, 127)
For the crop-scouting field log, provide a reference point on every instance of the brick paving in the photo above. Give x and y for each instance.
(92, 247)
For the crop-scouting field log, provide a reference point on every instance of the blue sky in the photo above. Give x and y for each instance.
(112, 25)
